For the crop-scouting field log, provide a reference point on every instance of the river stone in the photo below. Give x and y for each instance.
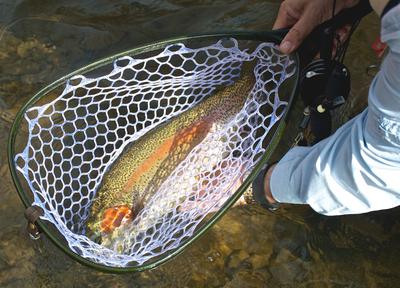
(236, 258)
(258, 261)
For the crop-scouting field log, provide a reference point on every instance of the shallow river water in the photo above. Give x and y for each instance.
(41, 41)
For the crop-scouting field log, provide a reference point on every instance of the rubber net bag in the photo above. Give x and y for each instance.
(127, 164)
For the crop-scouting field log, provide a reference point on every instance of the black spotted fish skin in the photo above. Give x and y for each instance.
(145, 164)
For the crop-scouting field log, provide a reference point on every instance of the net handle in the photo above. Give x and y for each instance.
(319, 41)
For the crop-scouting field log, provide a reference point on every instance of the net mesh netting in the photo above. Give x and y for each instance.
(75, 139)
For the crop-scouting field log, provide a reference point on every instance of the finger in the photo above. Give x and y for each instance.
(343, 33)
(285, 17)
(297, 34)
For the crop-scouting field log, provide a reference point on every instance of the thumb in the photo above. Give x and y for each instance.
(298, 33)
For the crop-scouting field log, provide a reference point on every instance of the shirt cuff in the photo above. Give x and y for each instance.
(283, 181)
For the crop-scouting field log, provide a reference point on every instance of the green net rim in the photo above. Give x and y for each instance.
(272, 36)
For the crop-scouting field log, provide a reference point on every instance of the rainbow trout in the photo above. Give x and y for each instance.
(146, 163)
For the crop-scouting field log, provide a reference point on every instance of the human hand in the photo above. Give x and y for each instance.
(303, 16)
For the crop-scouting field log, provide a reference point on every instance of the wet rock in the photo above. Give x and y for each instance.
(7, 116)
(4, 170)
(287, 269)
(224, 248)
(13, 251)
(24, 63)
(236, 258)
(15, 257)
(259, 261)
(246, 278)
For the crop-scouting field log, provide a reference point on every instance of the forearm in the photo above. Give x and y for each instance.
(357, 169)
(384, 94)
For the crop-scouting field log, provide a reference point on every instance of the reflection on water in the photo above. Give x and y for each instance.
(249, 247)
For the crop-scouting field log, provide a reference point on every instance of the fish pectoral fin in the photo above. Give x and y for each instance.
(136, 208)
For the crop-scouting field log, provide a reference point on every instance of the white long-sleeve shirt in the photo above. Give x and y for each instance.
(357, 169)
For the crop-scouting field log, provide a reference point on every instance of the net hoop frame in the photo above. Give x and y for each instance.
(271, 36)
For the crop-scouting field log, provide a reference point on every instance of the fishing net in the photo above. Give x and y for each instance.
(217, 103)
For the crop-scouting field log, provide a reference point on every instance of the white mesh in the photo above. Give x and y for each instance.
(74, 139)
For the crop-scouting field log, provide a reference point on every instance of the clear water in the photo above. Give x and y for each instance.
(249, 247)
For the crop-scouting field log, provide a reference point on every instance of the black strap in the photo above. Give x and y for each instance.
(258, 189)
